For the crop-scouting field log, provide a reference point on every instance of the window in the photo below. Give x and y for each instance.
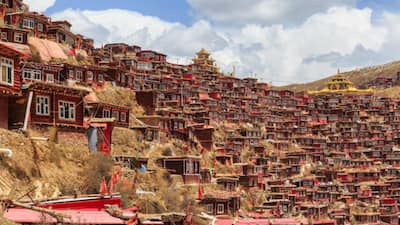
(100, 78)
(210, 208)
(66, 110)
(37, 75)
(89, 76)
(123, 116)
(40, 27)
(106, 113)
(50, 78)
(79, 75)
(4, 36)
(220, 208)
(71, 74)
(7, 71)
(115, 115)
(42, 106)
(32, 74)
(28, 23)
(19, 37)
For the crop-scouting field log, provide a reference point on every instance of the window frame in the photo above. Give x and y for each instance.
(40, 27)
(45, 108)
(89, 76)
(218, 208)
(79, 75)
(4, 36)
(123, 116)
(115, 114)
(9, 64)
(37, 75)
(71, 118)
(28, 23)
(106, 113)
(209, 208)
(100, 78)
(18, 37)
(50, 75)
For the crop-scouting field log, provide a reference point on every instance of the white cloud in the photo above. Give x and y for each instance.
(335, 35)
(261, 11)
(40, 5)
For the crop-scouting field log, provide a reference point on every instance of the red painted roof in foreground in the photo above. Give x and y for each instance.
(77, 217)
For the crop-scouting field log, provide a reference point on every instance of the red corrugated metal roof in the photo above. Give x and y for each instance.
(77, 217)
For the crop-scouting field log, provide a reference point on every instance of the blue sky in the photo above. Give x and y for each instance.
(169, 10)
(279, 40)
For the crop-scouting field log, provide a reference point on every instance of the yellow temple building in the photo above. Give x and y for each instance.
(340, 84)
(203, 61)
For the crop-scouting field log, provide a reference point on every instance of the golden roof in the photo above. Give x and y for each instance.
(340, 84)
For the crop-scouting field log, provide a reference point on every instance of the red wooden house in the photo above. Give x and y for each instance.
(186, 166)
(10, 81)
(40, 72)
(105, 110)
(51, 105)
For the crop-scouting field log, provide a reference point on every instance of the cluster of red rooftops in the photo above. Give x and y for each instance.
(323, 157)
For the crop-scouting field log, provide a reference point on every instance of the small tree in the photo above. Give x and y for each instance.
(99, 165)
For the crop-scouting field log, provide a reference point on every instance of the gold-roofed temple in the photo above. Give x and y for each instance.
(205, 62)
(340, 84)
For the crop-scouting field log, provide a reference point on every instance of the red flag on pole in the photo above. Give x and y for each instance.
(200, 192)
(278, 209)
(103, 187)
(111, 185)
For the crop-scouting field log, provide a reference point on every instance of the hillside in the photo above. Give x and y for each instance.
(357, 76)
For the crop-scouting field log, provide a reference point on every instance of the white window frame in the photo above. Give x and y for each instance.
(100, 78)
(123, 116)
(27, 74)
(79, 75)
(28, 23)
(42, 108)
(71, 74)
(106, 113)
(40, 27)
(71, 112)
(18, 37)
(37, 75)
(50, 75)
(89, 76)
(7, 65)
(210, 208)
(220, 208)
(4, 36)
(115, 114)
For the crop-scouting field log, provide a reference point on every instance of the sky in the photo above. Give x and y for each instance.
(276, 41)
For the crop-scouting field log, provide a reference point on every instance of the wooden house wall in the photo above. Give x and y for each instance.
(54, 109)
(99, 113)
(175, 165)
(16, 88)
(44, 73)
(4, 112)
(11, 34)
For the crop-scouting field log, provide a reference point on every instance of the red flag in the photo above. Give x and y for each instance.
(347, 153)
(111, 184)
(278, 209)
(260, 177)
(72, 51)
(200, 192)
(103, 187)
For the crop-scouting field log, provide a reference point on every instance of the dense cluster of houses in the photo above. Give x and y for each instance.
(326, 157)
